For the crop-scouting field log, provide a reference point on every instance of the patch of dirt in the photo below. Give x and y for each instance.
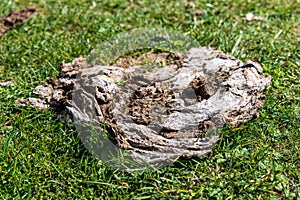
(147, 96)
(14, 18)
(149, 59)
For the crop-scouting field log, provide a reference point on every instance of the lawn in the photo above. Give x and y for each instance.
(42, 157)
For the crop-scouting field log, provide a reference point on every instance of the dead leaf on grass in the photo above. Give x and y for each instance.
(188, 5)
(198, 12)
(6, 83)
(251, 17)
(126, 26)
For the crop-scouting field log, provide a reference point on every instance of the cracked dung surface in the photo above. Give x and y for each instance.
(161, 113)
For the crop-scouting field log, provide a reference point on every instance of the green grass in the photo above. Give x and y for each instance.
(43, 158)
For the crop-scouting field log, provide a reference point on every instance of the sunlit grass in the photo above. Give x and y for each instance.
(41, 156)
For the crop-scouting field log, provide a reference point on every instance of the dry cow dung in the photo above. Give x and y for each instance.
(162, 109)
